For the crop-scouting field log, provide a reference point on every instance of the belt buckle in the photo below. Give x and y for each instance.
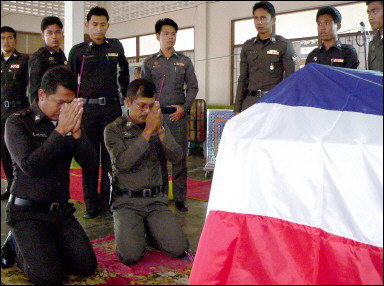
(147, 193)
(102, 101)
(54, 207)
(6, 103)
(259, 93)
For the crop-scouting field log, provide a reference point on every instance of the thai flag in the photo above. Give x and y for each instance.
(297, 191)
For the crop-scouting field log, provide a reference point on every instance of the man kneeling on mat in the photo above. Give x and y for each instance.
(136, 141)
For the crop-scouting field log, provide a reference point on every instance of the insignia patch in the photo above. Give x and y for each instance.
(37, 117)
(65, 62)
(128, 135)
(273, 52)
(51, 52)
(156, 65)
(113, 54)
(129, 124)
(337, 60)
(15, 66)
(39, 135)
(315, 59)
(179, 64)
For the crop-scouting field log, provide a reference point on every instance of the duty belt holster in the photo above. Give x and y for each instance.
(113, 188)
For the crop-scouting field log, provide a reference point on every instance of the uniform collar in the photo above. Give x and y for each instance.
(38, 114)
(128, 122)
(91, 43)
(52, 50)
(272, 39)
(337, 45)
(160, 53)
(15, 54)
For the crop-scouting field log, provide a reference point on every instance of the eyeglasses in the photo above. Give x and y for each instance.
(144, 106)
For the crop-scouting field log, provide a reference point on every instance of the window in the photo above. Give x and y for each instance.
(148, 44)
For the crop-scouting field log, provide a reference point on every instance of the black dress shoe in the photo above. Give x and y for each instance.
(5, 195)
(8, 252)
(90, 214)
(181, 206)
(106, 214)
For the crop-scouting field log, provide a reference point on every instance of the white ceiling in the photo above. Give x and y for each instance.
(119, 11)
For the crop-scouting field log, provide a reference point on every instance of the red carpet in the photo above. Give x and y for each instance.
(156, 268)
(198, 190)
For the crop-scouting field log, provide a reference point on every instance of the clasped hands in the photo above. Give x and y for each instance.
(154, 122)
(70, 118)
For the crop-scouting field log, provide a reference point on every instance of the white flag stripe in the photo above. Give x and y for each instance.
(311, 166)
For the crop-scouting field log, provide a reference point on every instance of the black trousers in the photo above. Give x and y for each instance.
(95, 119)
(50, 246)
(5, 156)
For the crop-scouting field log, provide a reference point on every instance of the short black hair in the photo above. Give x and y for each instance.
(141, 87)
(329, 10)
(59, 75)
(8, 29)
(266, 6)
(369, 2)
(97, 11)
(165, 22)
(50, 20)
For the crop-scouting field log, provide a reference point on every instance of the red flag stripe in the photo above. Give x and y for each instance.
(252, 249)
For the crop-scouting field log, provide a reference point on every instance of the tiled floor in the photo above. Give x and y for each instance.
(191, 221)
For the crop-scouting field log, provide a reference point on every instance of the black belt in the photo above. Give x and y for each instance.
(44, 207)
(9, 103)
(100, 100)
(258, 93)
(144, 193)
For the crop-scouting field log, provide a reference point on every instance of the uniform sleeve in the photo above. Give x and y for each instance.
(351, 58)
(72, 61)
(242, 80)
(171, 148)
(289, 60)
(124, 155)
(310, 57)
(145, 71)
(84, 153)
(21, 146)
(34, 68)
(192, 86)
(123, 77)
(25, 71)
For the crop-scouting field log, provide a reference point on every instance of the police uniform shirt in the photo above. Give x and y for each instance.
(42, 156)
(263, 66)
(44, 59)
(136, 162)
(169, 76)
(100, 70)
(14, 77)
(375, 54)
(339, 55)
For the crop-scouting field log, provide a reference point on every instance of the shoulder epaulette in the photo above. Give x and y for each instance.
(23, 112)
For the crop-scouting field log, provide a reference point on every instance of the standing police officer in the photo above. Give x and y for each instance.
(375, 54)
(96, 61)
(169, 71)
(332, 52)
(14, 81)
(264, 60)
(46, 57)
(47, 240)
